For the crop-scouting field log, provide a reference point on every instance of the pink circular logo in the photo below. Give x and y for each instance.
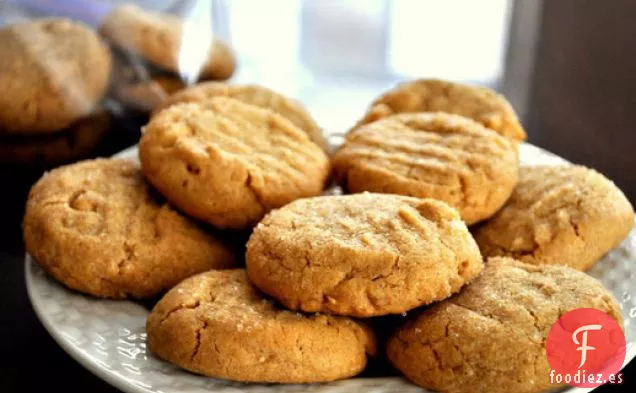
(585, 348)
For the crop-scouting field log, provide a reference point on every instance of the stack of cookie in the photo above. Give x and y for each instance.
(430, 159)
(149, 50)
(458, 144)
(53, 75)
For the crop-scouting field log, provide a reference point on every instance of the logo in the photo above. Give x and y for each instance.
(585, 348)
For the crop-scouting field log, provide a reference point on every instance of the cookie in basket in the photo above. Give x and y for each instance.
(98, 228)
(491, 336)
(229, 163)
(219, 325)
(52, 73)
(254, 95)
(433, 95)
(75, 142)
(431, 155)
(157, 38)
(361, 255)
(566, 214)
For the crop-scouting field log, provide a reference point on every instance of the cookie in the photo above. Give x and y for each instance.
(361, 255)
(229, 163)
(219, 325)
(254, 95)
(431, 155)
(481, 104)
(75, 142)
(491, 337)
(157, 38)
(568, 215)
(98, 228)
(146, 95)
(52, 73)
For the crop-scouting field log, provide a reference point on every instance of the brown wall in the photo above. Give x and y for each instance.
(582, 102)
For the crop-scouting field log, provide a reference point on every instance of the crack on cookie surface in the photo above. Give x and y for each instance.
(254, 192)
(197, 343)
(180, 307)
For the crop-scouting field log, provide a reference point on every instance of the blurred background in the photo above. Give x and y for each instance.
(567, 66)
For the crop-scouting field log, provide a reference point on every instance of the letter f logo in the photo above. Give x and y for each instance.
(583, 344)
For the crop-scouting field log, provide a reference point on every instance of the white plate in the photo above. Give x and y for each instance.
(108, 337)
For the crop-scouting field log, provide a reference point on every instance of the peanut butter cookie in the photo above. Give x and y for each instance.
(98, 228)
(229, 163)
(52, 73)
(568, 215)
(254, 95)
(361, 255)
(432, 95)
(491, 337)
(157, 38)
(75, 142)
(431, 155)
(219, 325)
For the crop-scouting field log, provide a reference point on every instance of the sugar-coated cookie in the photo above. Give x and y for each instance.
(219, 325)
(431, 95)
(52, 73)
(229, 163)
(431, 155)
(362, 255)
(98, 228)
(491, 336)
(568, 215)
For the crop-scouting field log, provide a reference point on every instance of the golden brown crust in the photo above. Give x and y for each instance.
(567, 215)
(218, 325)
(491, 336)
(431, 155)
(97, 228)
(70, 144)
(432, 95)
(229, 163)
(361, 255)
(52, 73)
(157, 38)
(254, 95)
